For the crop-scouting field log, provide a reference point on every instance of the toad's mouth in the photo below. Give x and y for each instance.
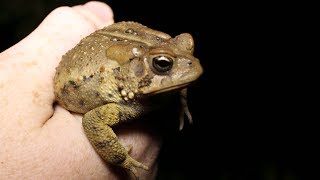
(170, 88)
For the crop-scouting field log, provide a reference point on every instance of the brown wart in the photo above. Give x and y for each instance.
(102, 69)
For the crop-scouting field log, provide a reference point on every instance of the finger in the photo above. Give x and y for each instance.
(96, 12)
(27, 69)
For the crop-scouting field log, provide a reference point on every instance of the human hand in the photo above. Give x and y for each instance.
(43, 140)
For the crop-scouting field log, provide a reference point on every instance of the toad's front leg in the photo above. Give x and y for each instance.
(97, 125)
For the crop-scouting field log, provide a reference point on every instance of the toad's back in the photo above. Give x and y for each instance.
(86, 75)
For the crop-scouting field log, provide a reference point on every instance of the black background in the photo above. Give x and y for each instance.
(246, 123)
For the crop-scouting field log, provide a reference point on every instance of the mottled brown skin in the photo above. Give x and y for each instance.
(110, 75)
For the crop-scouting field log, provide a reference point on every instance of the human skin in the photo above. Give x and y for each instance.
(40, 139)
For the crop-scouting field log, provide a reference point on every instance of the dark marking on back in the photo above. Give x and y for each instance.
(101, 79)
(65, 89)
(86, 78)
(116, 70)
(73, 84)
(119, 77)
(81, 102)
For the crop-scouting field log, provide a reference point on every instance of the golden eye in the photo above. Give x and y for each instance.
(162, 63)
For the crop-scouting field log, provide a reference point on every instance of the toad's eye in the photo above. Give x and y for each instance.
(162, 63)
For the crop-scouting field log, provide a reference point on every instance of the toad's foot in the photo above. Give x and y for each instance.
(131, 165)
(185, 109)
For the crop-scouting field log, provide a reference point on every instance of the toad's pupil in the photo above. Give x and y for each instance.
(162, 63)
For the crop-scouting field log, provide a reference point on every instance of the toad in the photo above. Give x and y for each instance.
(110, 75)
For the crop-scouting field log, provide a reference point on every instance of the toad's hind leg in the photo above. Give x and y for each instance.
(97, 125)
